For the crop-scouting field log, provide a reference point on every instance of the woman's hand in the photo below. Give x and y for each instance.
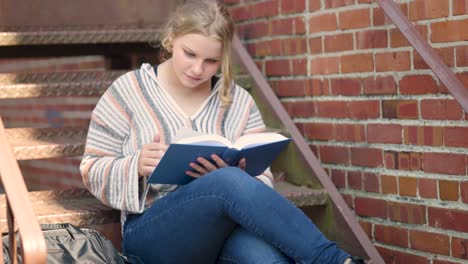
(206, 166)
(150, 155)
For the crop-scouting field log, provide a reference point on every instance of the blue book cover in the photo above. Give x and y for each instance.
(259, 149)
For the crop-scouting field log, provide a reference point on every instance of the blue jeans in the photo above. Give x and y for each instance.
(226, 216)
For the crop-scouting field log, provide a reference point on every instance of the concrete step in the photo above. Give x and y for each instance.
(44, 143)
(30, 85)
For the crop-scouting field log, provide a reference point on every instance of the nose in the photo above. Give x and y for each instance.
(197, 67)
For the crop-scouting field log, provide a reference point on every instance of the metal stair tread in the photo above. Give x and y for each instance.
(85, 83)
(302, 195)
(75, 206)
(84, 36)
(81, 208)
(41, 143)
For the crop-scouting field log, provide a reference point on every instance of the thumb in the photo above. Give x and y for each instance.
(157, 138)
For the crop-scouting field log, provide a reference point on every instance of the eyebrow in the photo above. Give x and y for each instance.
(191, 51)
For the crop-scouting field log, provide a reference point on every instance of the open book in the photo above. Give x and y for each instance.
(259, 149)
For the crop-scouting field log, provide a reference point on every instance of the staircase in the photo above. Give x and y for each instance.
(121, 39)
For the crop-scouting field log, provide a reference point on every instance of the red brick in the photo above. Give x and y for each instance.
(325, 65)
(300, 109)
(372, 39)
(389, 184)
(367, 227)
(333, 154)
(340, 42)
(390, 160)
(332, 109)
(357, 63)
(384, 133)
(339, 178)
(299, 66)
(407, 186)
(351, 19)
(446, 54)
(315, 5)
(323, 22)
(316, 45)
(381, 19)
(253, 30)
(392, 61)
(364, 110)
(391, 235)
(460, 7)
(456, 137)
(287, 88)
(278, 67)
(430, 242)
(366, 157)
(346, 87)
(293, 46)
(449, 31)
(286, 26)
(292, 6)
(451, 219)
(441, 109)
(318, 87)
(336, 3)
(379, 85)
(349, 200)
(427, 188)
(407, 213)
(423, 136)
(445, 163)
(418, 84)
(464, 191)
(462, 56)
(397, 39)
(371, 182)
(400, 109)
(319, 131)
(398, 257)
(371, 207)
(350, 133)
(444, 262)
(415, 161)
(404, 161)
(355, 180)
(428, 9)
(460, 248)
(449, 190)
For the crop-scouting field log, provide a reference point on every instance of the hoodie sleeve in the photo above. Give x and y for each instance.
(107, 173)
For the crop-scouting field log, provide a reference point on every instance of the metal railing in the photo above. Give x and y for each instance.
(20, 215)
(442, 71)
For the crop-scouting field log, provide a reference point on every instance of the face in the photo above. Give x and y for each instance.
(195, 59)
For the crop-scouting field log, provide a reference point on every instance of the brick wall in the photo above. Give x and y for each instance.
(391, 137)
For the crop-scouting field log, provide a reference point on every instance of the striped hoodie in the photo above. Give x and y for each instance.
(130, 113)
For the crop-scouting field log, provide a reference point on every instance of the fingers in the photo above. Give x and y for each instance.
(242, 164)
(157, 138)
(219, 161)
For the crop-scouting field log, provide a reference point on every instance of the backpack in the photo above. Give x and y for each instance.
(69, 244)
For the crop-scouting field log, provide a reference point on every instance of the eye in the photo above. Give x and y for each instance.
(189, 54)
(212, 61)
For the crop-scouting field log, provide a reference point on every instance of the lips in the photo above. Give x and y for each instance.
(193, 78)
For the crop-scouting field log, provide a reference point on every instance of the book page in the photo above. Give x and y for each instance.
(257, 139)
(206, 140)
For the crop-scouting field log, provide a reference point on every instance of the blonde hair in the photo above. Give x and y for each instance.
(209, 18)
